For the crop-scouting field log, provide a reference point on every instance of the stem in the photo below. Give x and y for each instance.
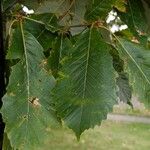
(2, 69)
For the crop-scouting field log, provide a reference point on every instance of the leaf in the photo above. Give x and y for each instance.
(48, 19)
(135, 17)
(87, 91)
(59, 52)
(117, 61)
(99, 9)
(137, 63)
(38, 30)
(27, 107)
(122, 81)
(78, 9)
(8, 3)
(120, 5)
(125, 90)
(15, 50)
(6, 143)
(47, 6)
(77, 12)
(45, 37)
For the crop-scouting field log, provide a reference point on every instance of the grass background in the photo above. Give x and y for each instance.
(109, 136)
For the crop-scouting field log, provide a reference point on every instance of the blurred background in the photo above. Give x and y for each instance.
(125, 129)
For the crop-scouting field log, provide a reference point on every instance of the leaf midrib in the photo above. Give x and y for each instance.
(87, 64)
(27, 67)
(85, 75)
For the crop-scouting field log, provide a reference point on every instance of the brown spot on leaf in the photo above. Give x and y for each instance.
(35, 102)
(48, 129)
(135, 40)
(12, 94)
(43, 63)
(141, 33)
(25, 116)
(98, 23)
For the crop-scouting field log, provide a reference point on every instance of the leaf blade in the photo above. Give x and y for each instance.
(28, 97)
(99, 9)
(83, 101)
(137, 60)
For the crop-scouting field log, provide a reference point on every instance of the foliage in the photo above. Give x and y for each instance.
(66, 66)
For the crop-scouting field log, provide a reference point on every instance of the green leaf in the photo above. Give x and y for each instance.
(135, 17)
(87, 91)
(137, 63)
(15, 50)
(61, 50)
(27, 106)
(120, 5)
(125, 90)
(47, 6)
(78, 9)
(6, 143)
(45, 37)
(99, 9)
(36, 25)
(48, 19)
(117, 62)
(8, 3)
(77, 12)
